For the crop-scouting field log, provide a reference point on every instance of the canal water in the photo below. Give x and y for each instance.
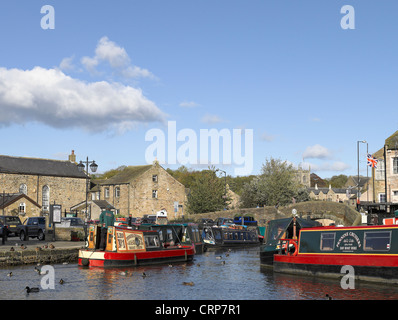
(221, 275)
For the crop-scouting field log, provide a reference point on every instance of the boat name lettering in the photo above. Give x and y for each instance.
(349, 241)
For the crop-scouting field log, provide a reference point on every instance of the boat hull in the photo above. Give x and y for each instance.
(378, 268)
(89, 258)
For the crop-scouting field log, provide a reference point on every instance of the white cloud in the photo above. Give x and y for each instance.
(327, 166)
(189, 104)
(267, 137)
(67, 64)
(117, 57)
(212, 119)
(317, 152)
(49, 96)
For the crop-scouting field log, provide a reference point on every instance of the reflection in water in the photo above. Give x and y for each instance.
(214, 275)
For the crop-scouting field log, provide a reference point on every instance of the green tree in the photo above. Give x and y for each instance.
(207, 193)
(276, 185)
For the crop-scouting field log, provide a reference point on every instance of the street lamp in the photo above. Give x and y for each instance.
(93, 167)
(358, 142)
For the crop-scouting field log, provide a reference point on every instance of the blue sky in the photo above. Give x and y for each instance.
(111, 71)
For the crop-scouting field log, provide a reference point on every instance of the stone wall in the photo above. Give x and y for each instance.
(338, 212)
(45, 256)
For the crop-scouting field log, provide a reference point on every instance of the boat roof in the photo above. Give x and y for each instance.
(335, 228)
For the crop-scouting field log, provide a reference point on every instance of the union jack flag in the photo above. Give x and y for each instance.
(372, 162)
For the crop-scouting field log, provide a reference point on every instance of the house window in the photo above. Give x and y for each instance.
(395, 165)
(154, 194)
(23, 188)
(22, 208)
(46, 198)
(117, 192)
(155, 178)
(379, 171)
(106, 192)
(382, 197)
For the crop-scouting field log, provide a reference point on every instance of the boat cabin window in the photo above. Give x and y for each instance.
(377, 241)
(217, 234)
(152, 241)
(327, 241)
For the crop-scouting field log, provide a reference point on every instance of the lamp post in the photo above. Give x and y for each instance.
(358, 142)
(93, 167)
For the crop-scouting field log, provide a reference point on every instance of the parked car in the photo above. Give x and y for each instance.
(12, 223)
(204, 222)
(32, 227)
(224, 221)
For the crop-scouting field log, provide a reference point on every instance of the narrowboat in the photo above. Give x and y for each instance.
(322, 251)
(126, 247)
(277, 229)
(247, 220)
(220, 237)
(184, 233)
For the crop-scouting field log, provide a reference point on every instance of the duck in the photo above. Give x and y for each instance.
(144, 275)
(51, 246)
(12, 249)
(37, 270)
(188, 283)
(29, 290)
(222, 262)
(23, 247)
(9, 274)
(218, 257)
(328, 297)
(61, 281)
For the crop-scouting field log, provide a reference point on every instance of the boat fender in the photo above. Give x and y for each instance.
(295, 249)
(85, 262)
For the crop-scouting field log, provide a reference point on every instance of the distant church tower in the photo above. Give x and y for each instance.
(304, 176)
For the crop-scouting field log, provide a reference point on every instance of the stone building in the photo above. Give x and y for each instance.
(18, 204)
(330, 194)
(43, 181)
(95, 207)
(140, 190)
(378, 193)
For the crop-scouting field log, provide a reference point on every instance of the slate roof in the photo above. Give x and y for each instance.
(8, 198)
(102, 204)
(43, 167)
(126, 175)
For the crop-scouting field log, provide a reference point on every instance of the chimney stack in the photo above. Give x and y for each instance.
(72, 157)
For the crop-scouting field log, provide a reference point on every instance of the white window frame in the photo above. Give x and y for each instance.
(23, 206)
(45, 198)
(117, 192)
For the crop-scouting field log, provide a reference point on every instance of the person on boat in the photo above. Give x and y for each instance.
(107, 219)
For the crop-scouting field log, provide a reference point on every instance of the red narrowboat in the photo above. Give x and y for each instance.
(126, 247)
(372, 251)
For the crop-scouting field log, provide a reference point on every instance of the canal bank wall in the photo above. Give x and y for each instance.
(65, 251)
(340, 213)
